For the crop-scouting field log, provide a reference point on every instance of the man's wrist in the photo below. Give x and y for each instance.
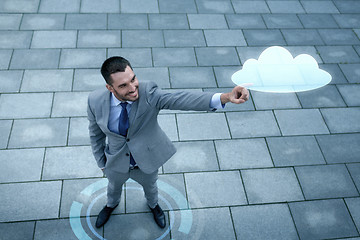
(224, 98)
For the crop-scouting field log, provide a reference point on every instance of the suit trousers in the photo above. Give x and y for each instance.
(116, 181)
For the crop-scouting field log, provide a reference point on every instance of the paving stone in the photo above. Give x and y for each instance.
(350, 94)
(39, 133)
(42, 21)
(335, 72)
(10, 21)
(250, 7)
(88, 80)
(271, 185)
(174, 6)
(100, 6)
(331, 181)
(142, 38)
(168, 21)
(245, 21)
(138, 57)
(82, 58)
(301, 122)
(353, 205)
(20, 6)
(318, 21)
(70, 104)
(21, 165)
(342, 120)
(139, 6)
(252, 124)
(15, 39)
(214, 6)
(223, 75)
(338, 54)
(17, 230)
(295, 151)
(10, 81)
(164, 57)
(159, 75)
(21, 201)
(263, 37)
(224, 38)
(264, 101)
(322, 219)
(193, 157)
(285, 7)
(26, 105)
(264, 222)
(327, 96)
(243, 153)
(99, 38)
(319, 7)
(5, 56)
(348, 6)
(282, 21)
(192, 77)
(5, 127)
(184, 38)
(203, 189)
(351, 71)
(167, 123)
(203, 224)
(59, 6)
(54, 39)
(35, 58)
(127, 21)
(207, 21)
(339, 36)
(217, 56)
(86, 21)
(354, 169)
(78, 132)
(347, 20)
(302, 36)
(340, 148)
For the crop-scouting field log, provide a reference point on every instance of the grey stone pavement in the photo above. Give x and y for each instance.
(281, 166)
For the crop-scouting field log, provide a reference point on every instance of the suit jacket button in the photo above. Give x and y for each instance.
(128, 140)
(127, 154)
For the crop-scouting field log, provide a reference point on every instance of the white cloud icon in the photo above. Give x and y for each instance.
(277, 71)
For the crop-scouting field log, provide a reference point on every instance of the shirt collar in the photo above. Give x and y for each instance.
(116, 102)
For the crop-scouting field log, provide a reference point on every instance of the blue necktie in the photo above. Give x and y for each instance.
(124, 125)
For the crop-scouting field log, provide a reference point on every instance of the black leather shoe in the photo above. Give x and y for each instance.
(159, 216)
(104, 216)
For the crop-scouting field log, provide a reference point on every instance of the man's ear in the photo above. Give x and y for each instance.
(109, 87)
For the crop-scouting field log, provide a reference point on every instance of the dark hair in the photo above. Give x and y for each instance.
(113, 65)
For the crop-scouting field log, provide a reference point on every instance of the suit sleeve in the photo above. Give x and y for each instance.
(97, 138)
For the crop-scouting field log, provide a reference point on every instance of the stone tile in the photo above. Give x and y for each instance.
(319, 7)
(243, 153)
(138, 57)
(264, 101)
(127, 21)
(168, 21)
(159, 75)
(250, 7)
(86, 21)
(353, 205)
(195, 126)
(20, 6)
(82, 58)
(326, 181)
(339, 37)
(338, 54)
(10, 21)
(10, 81)
(21, 165)
(5, 127)
(59, 6)
(207, 21)
(342, 120)
(39, 133)
(246, 53)
(100, 6)
(47, 80)
(78, 132)
(5, 56)
(335, 72)
(192, 77)
(263, 37)
(174, 6)
(70, 104)
(327, 96)
(351, 71)
(139, 6)
(21, 201)
(224, 38)
(15, 39)
(35, 59)
(142, 38)
(42, 21)
(193, 157)
(184, 38)
(217, 56)
(204, 191)
(206, 227)
(285, 7)
(164, 57)
(322, 219)
(350, 94)
(54, 39)
(318, 21)
(252, 124)
(99, 38)
(271, 185)
(295, 151)
(17, 230)
(214, 6)
(302, 37)
(26, 105)
(88, 80)
(282, 21)
(167, 123)
(264, 222)
(347, 20)
(245, 21)
(223, 75)
(354, 169)
(348, 6)
(301, 122)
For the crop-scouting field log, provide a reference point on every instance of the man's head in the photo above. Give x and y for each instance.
(120, 78)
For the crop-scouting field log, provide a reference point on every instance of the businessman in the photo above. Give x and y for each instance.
(125, 114)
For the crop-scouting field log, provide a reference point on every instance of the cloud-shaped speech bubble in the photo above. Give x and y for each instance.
(277, 71)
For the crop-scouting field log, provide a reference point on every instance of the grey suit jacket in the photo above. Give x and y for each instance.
(148, 144)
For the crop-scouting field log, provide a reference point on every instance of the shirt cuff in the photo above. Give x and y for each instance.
(216, 102)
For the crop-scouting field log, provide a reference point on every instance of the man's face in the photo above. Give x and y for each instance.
(124, 85)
